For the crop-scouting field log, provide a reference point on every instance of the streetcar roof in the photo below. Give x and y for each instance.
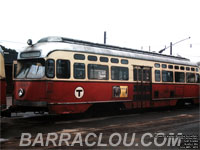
(47, 45)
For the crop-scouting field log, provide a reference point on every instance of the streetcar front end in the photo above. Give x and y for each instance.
(29, 85)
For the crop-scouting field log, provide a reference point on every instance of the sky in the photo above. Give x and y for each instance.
(138, 24)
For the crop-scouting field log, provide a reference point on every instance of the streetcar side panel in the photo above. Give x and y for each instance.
(2, 82)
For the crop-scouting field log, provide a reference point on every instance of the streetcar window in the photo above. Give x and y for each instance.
(146, 75)
(92, 58)
(15, 70)
(124, 61)
(192, 69)
(167, 76)
(179, 77)
(103, 59)
(22, 74)
(176, 67)
(79, 56)
(182, 68)
(197, 69)
(164, 66)
(36, 71)
(157, 65)
(98, 72)
(190, 77)
(137, 74)
(197, 78)
(188, 68)
(50, 68)
(114, 60)
(32, 69)
(30, 54)
(63, 68)
(119, 73)
(157, 75)
(170, 66)
(141, 74)
(79, 71)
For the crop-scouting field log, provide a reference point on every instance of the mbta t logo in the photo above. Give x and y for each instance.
(79, 92)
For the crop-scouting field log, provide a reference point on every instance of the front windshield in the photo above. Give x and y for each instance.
(31, 69)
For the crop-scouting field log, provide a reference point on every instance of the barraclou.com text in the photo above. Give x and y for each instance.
(92, 139)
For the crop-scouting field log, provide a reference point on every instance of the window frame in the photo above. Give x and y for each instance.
(90, 58)
(189, 73)
(172, 73)
(188, 69)
(75, 71)
(182, 68)
(102, 58)
(176, 67)
(53, 68)
(176, 74)
(157, 65)
(82, 55)
(88, 72)
(164, 66)
(113, 68)
(197, 78)
(170, 67)
(124, 61)
(156, 76)
(67, 77)
(112, 60)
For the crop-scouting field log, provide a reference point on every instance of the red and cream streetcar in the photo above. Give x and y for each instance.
(64, 76)
(2, 82)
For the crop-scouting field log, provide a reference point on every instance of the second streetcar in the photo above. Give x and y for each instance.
(2, 82)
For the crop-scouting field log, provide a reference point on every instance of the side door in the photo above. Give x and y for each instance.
(142, 88)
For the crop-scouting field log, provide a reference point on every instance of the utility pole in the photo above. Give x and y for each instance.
(170, 48)
(105, 37)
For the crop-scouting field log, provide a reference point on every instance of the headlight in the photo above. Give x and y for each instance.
(21, 92)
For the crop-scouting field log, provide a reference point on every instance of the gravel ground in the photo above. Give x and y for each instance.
(104, 132)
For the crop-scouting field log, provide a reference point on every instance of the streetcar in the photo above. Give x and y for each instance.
(2, 82)
(65, 76)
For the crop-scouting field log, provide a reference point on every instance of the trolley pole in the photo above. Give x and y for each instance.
(172, 44)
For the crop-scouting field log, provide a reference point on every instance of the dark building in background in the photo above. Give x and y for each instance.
(9, 56)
